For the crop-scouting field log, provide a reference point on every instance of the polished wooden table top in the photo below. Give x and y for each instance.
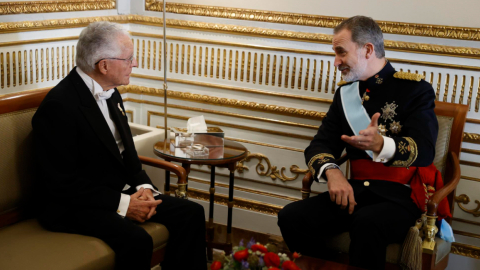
(218, 155)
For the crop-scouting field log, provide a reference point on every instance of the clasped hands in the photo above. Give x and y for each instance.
(340, 190)
(142, 205)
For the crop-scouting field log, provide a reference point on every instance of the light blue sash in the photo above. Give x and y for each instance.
(355, 113)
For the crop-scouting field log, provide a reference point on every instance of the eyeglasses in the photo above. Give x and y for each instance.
(129, 60)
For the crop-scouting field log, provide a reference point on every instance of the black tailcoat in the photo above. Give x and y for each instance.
(82, 174)
(79, 163)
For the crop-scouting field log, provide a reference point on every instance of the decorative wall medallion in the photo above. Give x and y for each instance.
(271, 171)
(464, 199)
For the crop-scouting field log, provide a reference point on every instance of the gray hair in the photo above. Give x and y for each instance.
(98, 41)
(364, 30)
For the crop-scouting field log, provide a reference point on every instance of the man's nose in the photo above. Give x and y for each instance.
(337, 61)
(134, 62)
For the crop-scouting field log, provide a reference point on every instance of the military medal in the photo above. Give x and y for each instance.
(120, 108)
(395, 127)
(389, 111)
(379, 80)
(365, 97)
(382, 130)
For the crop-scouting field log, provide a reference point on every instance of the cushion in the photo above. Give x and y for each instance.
(441, 148)
(26, 245)
(17, 143)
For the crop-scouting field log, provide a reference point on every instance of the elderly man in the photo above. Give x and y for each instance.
(91, 180)
(387, 125)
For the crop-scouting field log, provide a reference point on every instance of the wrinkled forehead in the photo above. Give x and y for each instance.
(125, 43)
(343, 39)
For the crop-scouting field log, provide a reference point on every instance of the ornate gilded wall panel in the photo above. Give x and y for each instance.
(402, 28)
(7, 8)
(234, 29)
(295, 71)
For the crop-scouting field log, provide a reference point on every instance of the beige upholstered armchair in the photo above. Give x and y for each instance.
(24, 244)
(451, 120)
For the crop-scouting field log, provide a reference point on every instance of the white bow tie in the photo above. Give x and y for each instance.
(104, 95)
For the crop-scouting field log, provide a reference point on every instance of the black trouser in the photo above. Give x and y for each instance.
(375, 223)
(185, 221)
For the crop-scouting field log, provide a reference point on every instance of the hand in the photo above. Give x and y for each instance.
(368, 139)
(139, 208)
(340, 190)
(148, 195)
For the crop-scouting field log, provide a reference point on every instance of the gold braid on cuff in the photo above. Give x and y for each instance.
(321, 158)
(412, 148)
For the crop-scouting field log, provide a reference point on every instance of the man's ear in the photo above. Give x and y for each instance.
(103, 67)
(369, 50)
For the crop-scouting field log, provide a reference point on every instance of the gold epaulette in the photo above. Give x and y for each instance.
(408, 76)
(342, 82)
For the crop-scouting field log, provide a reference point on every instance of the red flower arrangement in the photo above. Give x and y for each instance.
(255, 256)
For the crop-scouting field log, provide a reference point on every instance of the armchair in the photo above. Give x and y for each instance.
(24, 244)
(451, 120)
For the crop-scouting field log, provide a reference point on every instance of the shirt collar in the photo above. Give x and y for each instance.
(92, 85)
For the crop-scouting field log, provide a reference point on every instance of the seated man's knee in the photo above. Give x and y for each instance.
(366, 226)
(140, 238)
(288, 215)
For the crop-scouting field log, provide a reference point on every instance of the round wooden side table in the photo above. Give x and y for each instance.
(223, 157)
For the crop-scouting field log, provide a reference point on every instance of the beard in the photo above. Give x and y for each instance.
(355, 72)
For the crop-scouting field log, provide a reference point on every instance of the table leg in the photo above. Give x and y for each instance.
(166, 188)
(210, 229)
(230, 204)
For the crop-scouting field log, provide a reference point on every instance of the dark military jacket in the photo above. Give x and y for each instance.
(407, 116)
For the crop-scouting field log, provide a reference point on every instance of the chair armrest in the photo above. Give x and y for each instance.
(307, 185)
(440, 194)
(341, 160)
(308, 178)
(169, 166)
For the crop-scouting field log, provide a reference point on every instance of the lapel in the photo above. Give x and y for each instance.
(91, 111)
(114, 104)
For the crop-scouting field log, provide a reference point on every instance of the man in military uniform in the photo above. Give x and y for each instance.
(385, 120)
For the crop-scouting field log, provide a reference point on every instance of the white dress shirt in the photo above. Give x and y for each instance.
(101, 97)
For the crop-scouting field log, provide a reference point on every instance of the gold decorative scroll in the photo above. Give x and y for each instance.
(234, 29)
(464, 199)
(466, 250)
(399, 28)
(7, 8)
(250, 105)
(271, 171)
